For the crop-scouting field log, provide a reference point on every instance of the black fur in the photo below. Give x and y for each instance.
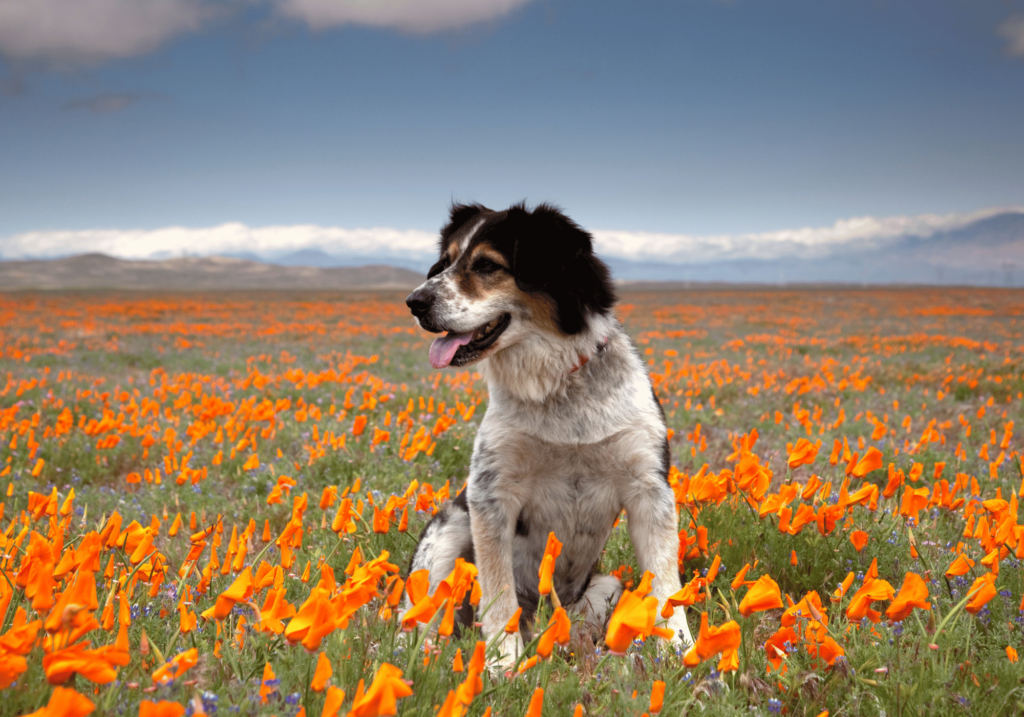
(548, 252)
(457, 218)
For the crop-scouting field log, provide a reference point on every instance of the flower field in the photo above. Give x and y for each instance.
(211, 502)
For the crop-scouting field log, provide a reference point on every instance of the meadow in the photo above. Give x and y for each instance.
(211, 502)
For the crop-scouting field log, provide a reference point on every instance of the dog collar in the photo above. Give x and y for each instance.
(582, 360)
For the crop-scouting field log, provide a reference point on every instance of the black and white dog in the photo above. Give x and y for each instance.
(573, 433)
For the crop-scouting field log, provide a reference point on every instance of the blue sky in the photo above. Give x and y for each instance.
(695, 117)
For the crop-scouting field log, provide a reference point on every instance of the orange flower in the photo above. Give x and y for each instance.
(960, 566)
(762, 595)
(1011, 654)
(870, 591)
(913, 593)
(65, 702)
(825, 649)
(381, 524)
(547, 564)
(713, 570)
(775, 648)
(268, 685)
(160, 709)
(512, 626)
(536, 703)
(809, 608)
(322, 673)
(94, 665)
(723, 639)
(176, 666)
(240, 591)
(657, 697)
(871, 461)
(859, 539)
(983, 589)
(383, 694)
(333, 701)
(803, 453)
(556, 631)
(633, 617)
(740, 579)
(314, 620)
(275, 609)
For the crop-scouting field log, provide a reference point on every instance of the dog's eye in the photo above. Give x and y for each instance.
(485, 266)
(437, 268)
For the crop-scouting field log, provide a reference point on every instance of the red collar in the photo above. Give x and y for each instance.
(582, 360)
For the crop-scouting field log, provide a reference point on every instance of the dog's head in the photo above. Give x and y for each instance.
(502, 275)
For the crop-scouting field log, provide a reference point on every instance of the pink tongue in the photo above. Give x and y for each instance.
(442, 351)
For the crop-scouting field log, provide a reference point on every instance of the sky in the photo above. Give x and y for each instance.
(159, 127)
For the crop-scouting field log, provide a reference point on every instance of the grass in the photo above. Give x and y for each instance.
(186, 375)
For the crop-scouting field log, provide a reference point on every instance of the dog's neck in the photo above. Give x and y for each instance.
(543, 364)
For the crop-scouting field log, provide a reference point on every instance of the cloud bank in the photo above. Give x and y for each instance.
(413, 246)
(88, 32)
(413, 16)
(66, 32)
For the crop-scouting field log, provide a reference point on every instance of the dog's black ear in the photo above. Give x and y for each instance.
(457, 218)
(554, 255)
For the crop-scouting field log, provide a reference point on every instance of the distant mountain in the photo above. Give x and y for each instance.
(988, 252)
(98, 271)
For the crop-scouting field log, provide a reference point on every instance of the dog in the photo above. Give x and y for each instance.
(573, 434)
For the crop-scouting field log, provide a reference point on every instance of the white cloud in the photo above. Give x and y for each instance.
(807, 242)
(76, 32)
(90, 31)
(380, 244)
(1013, 30)
(414, 16)
(231, 238)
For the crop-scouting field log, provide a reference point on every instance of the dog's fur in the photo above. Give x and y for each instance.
(573, 434)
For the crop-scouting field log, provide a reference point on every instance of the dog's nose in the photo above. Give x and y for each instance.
(419, 302)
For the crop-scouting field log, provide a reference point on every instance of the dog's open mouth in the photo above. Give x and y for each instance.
(460, 349)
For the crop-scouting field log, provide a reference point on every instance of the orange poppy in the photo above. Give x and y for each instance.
(960, 566)
(775, 648)
(547, 564)
(711, 641)
(913, 593)
(633, 617)
(871, 461)
(859, 539)
(872, 590)
(803, 453)
(762, 595)
(239, 591)
(65, 702)
(739, 580)
(162, 708)
(556, 631)
(176, 666)
(536, 703)
(333, 701)
(843, 588)
(382, 697)
(322, 673)
(657, 697)
(809, 608)
(983, 590)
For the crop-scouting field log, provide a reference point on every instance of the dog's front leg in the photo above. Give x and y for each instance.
(651, 515)
(492, 521)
